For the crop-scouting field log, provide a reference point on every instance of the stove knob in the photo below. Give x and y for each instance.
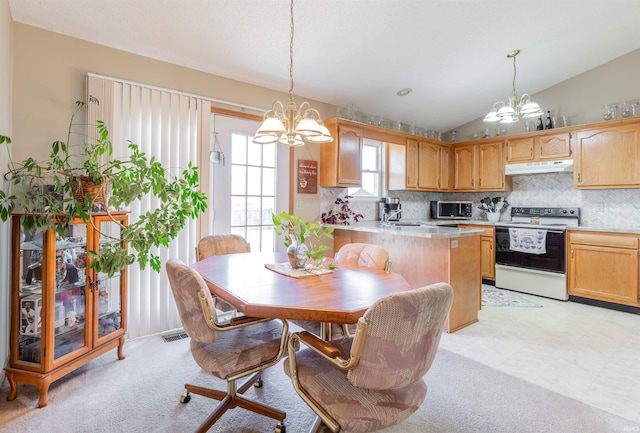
(564, 211)
(572, 211)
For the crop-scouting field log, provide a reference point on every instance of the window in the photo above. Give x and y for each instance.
(253, 191)
(372, 175)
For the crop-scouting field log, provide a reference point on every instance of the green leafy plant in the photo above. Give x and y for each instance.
(341, 212)
(298, 231)
(126, 181)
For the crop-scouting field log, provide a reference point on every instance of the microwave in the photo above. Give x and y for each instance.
(459, 210)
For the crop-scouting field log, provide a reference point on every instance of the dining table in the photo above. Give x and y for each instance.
(342, 295)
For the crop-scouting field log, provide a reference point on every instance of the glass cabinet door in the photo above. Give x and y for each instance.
(70, 300)
(30, 288)
(108, 291)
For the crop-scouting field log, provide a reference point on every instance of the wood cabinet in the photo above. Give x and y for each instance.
(487, 250)
(340, 160)
(464, 167)
(426, 166)
(539, 148)
(480, 167)
(396, 166)
(607, 157)
(63, 314)
(603, 266)
(412, 164)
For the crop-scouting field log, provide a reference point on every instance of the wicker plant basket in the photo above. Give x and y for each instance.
(84, 186)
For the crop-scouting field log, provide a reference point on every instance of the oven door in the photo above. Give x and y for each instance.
(552, 261)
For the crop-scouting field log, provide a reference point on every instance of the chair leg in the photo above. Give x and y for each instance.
(230, 399)
(249, 382)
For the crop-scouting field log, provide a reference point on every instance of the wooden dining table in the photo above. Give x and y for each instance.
(341, 296)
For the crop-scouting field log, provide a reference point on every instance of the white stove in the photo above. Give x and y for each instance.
(538, 271)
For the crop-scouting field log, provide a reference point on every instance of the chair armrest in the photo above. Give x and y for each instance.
(319, 345)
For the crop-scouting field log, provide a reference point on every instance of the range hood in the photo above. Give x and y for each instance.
(539, 167)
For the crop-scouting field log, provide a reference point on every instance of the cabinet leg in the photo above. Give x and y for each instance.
(14, 386)
(120, 346)
(43, 389)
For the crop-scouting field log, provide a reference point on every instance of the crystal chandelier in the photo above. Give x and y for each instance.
(292, 126)
(510, 111)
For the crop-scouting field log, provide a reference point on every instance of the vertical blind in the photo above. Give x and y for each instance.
(171, 127)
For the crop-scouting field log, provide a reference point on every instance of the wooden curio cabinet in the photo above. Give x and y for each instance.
(63, 314)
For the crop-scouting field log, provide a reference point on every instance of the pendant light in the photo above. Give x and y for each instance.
(292, 126)
(510, 111)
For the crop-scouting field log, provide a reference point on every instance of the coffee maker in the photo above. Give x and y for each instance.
(389, 209)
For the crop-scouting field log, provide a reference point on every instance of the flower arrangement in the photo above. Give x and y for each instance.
(495, 204)
(341, 212)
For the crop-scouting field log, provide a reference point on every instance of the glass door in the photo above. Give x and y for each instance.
(108, 292)
(70, 315)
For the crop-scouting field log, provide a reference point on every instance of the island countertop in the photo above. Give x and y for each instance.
(408, 228)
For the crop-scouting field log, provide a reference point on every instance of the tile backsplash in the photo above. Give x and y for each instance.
(617, 207)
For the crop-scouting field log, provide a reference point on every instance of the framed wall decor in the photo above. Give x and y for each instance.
(307, 176)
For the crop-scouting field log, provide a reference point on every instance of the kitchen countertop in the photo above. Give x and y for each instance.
(426, 229)
(430, 228)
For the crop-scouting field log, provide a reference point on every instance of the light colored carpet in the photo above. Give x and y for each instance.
(141, 394)
(494, 297)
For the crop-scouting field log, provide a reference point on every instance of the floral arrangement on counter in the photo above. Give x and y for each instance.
(341, 212)
(495, 204)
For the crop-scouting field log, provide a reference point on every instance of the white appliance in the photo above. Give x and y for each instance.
(539, 167)
(538, 272)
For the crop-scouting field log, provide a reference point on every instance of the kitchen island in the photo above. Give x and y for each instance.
(425, 254)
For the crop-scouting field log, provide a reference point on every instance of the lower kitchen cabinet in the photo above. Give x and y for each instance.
(603, 266)
(487, 250)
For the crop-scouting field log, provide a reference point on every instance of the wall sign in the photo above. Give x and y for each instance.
(307, 176)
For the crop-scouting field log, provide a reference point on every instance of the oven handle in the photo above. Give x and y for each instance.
(506, 230)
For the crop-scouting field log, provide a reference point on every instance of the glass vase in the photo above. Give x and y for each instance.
(297, 252)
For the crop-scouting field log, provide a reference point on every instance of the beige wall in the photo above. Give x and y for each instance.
(50, 74)
(580, 98)
(5, 129)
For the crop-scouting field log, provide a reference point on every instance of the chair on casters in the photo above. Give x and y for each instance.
(243, 346)
(354, 254)
(214, 245)
(374, 380)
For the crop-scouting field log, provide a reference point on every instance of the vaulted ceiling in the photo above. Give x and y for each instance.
(452, 53)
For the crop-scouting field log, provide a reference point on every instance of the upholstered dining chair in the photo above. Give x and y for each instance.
(233, 350)
(353, 254)
(214, 245)
(374, 380)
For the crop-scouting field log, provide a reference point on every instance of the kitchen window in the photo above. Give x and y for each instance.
(372, 175)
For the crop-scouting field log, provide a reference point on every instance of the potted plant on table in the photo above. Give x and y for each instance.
(297, 232)
(90, 181)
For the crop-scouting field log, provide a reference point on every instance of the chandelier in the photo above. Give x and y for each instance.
(292, 126)
(510, 111)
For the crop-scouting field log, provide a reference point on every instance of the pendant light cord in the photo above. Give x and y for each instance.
(291, 57)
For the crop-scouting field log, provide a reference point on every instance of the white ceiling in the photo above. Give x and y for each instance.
(451, 52)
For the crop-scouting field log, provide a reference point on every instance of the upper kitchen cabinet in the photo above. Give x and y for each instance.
(340, 159)
(546, 147)
(608, 156)
(480, 167)
(464, 167)
(425, 166)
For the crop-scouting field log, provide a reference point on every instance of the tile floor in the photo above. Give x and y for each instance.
(589, 353)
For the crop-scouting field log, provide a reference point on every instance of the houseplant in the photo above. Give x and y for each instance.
(79, 182)
(297, 232)
(341, 212)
